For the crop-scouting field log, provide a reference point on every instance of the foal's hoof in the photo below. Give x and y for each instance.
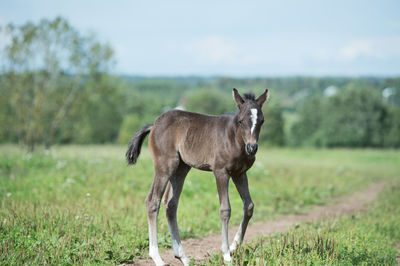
(185, 261)
(227, 257)
(232, 248)
(158, 261)
(162, 264)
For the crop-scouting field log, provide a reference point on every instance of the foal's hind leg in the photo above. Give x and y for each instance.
(242, 186)
(164, 169)
(171, 200)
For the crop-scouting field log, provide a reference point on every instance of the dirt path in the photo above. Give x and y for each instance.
(199, 249)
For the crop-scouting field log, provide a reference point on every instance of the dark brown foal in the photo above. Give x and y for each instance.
(225, 145)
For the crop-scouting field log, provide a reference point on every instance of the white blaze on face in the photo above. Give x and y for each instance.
(253, 117)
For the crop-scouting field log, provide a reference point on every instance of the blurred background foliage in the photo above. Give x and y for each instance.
(57, 87)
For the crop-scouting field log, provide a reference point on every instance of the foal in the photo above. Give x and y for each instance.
(225, 145)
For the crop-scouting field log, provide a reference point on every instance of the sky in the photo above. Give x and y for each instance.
(234, 38)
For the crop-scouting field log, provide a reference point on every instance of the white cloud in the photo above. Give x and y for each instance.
(372, 48)
(251, 59)
(261, 55)
(358, 48)
(322, 54)
(219, 51)
(213, 49)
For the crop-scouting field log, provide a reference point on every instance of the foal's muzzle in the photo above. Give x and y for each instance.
(251, 149)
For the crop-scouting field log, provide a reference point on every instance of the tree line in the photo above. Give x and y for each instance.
(57, 87)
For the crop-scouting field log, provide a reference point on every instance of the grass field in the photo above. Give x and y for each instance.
(83, 205)
(370, 238)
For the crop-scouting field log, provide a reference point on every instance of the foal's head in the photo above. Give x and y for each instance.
(250, 118)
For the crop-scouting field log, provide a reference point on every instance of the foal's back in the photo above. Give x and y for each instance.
(193, 137)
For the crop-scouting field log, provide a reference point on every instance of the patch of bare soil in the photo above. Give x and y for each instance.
(200, 249)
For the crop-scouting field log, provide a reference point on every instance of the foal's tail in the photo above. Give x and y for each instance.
(136, 144)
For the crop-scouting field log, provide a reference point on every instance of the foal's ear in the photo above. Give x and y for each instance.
(263, 97)
(238, 99)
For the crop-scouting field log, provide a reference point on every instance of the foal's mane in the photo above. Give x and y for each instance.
(249, 96)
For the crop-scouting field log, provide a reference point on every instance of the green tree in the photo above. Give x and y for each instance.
(47, 67)
(130, 125)
(392, 134)
(146, 105)
(99, 115)
(354, 118)
(208, 101)
(306, 130)
(272, 131)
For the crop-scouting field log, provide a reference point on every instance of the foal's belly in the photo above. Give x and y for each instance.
(196, 160)
(197, 150)
(203, 167)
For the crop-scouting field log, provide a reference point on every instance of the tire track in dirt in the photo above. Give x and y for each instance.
(200, 249)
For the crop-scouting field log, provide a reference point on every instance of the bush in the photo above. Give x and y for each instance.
(392, 134)
(354, 118)
(208, 101)
(272, 130)
(305, 131)
(130, 125)
(351, 118)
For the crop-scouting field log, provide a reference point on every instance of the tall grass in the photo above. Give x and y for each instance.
(368, 239)
(83, 205)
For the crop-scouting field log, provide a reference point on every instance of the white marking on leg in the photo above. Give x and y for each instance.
(227, 257)
(178, 248)
(236, 241)
(253, 117)
(225, 245)
(153, 247)
(180, 253)
(176, 244)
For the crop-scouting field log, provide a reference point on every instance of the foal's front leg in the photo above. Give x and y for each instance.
(222, 179)
(242, 187)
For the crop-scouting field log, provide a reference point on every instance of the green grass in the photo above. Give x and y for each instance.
(370, 239)
(83, 205)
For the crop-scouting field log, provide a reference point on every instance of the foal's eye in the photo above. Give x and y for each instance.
(240, 122)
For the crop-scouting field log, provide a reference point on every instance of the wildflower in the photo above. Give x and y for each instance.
(60, 164)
